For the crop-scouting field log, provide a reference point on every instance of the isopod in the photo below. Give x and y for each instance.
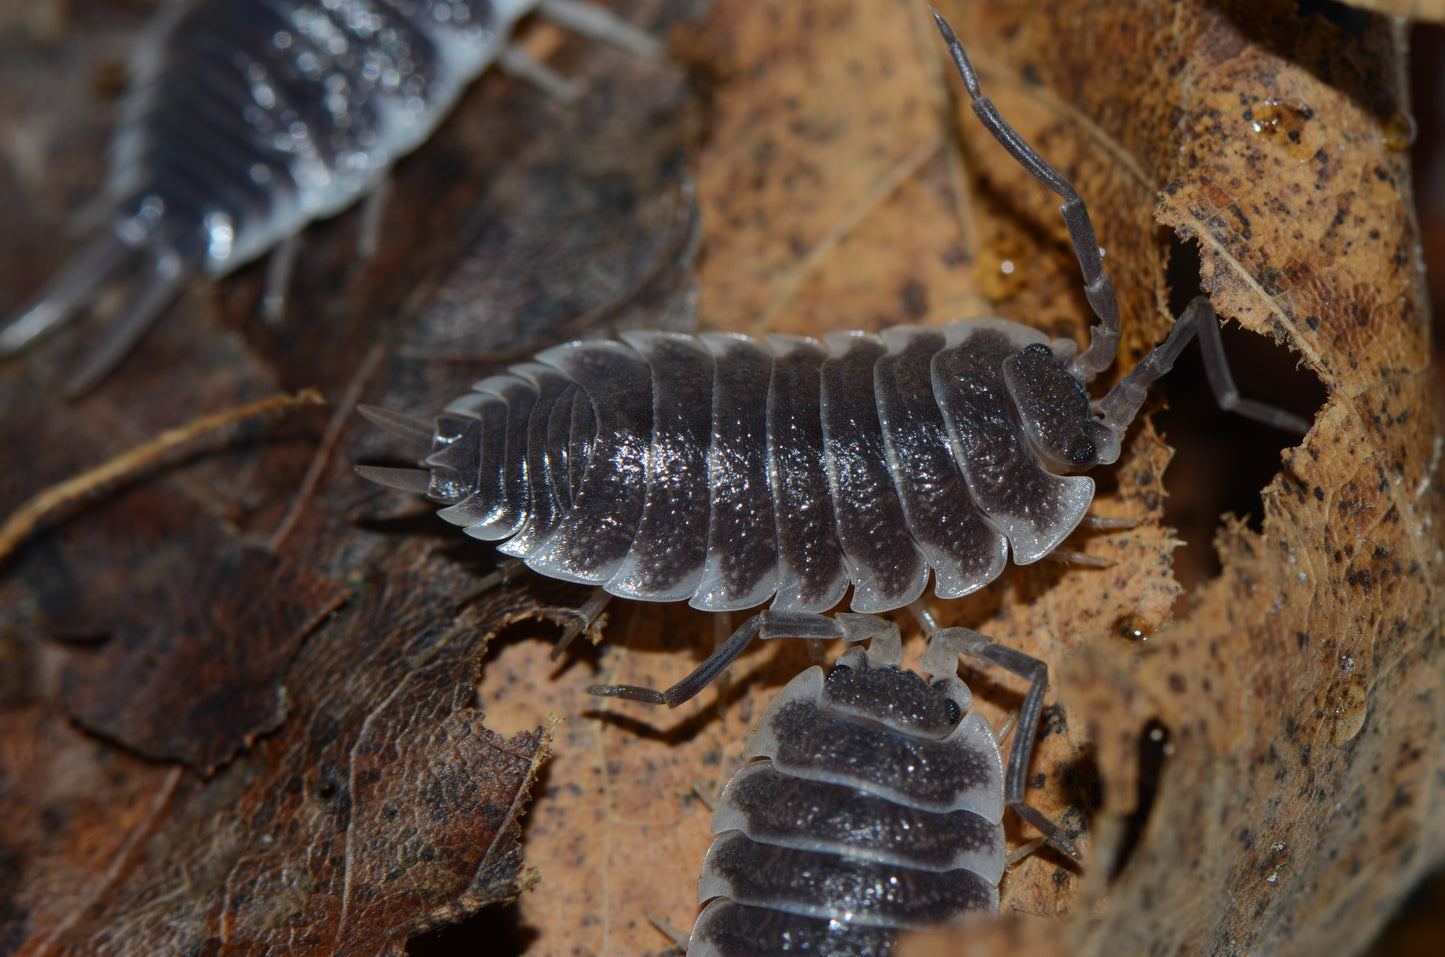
(727, 472)
(724, 472)
(873, 804)
(245, 120)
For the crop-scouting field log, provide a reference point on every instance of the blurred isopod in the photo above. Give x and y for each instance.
(245, 120)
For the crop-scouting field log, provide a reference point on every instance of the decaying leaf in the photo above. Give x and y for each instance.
(1293, 803)
(1251, 767)
(255, 611)
(1255, 767)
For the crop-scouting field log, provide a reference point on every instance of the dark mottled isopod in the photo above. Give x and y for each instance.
(723, 472)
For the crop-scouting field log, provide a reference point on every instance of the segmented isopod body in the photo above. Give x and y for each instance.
(723, 472)
(874, 806)
(245, 120)
(825, 840)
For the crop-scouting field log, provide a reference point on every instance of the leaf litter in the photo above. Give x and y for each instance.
(256, 611)
(841, 186)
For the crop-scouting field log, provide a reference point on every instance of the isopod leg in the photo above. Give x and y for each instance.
(600, 24)
(941, 659)
(885, 643)
(1098, 287)
(1072, 556)
(1221, 381)
(280, 267)
(1105, 523)
(522, 65)
(153, 292)
(680, 939)
(765, 624)
(1124, 400)
(502, 574)
(580, 619)
(688, 687)
(722, 629)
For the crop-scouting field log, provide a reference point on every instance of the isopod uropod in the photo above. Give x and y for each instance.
(245, 120)
(721, 471)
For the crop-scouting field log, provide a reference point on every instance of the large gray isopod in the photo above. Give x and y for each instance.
(725, 472)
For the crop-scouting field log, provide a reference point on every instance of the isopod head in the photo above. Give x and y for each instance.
(1053, 408)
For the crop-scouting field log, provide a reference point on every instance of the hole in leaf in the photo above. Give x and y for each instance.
(1222, 461)
(1352, 21)
(497, 930)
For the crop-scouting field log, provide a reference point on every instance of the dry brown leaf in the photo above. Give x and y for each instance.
(47, 504)
(349, 794)
(842, 187)
(1293, 807)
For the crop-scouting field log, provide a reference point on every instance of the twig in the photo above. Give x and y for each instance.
(28, 517)
(329, 438)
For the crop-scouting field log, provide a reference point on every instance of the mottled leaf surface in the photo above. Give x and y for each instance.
(1250, 763)
(237, 695)
(1292, 796)
(1250, 766)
